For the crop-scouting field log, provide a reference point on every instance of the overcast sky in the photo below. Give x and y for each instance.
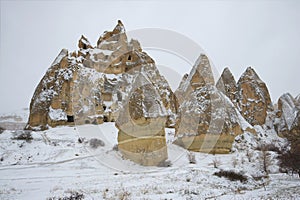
(237, 34)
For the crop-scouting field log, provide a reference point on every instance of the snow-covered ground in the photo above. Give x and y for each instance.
(14, 120)
(55, 164)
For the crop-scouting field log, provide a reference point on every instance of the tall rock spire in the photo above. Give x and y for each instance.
(207, 121)
(228, 86)
(90, 84)
(254, 97)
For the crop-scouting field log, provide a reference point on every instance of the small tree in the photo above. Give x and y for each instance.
(265, 160)
(290, 162)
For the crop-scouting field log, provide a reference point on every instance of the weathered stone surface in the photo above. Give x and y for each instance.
(228, 86)
(286, 114)
(297, 98)
(207, 121)
(141, 124)
(88, 86)
(61, 99)
(254, 98)
(200, 75)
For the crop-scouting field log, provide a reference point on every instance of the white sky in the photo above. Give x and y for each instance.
(238, 34)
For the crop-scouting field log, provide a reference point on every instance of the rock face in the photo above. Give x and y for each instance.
(228, 86)
(254, 98)
(141, 123)
(207, 121)
(89, 85)
(286, 115)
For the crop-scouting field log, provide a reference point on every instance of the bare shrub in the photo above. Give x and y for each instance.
(290, 162)
(234, 162)
(192, 158)
(268, 147)
(249, 155)
(22, 135)
(265, 160)
(231, 175)
(216, 162)
(124, 195)
(74, 195)
(115, 147)
(81, 140)
(95, 143)
(165, 163)
(2, 130)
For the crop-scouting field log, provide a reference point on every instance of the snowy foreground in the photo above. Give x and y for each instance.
(54, 164)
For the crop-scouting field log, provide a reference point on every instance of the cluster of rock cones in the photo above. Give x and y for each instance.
(116, 81)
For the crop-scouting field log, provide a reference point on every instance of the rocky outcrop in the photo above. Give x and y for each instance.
(286, 114)
(67, 94)
(141, 123)
(228, 86)
(254, 98)
(207, 121)
(297, 98)
(89, 85)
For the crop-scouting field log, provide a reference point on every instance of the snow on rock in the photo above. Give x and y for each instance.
(208, 121)
(57, 114)
(61, 55)
(287, 115)
(92, 75)
(141, 124)
(254, 98)
(228, 86)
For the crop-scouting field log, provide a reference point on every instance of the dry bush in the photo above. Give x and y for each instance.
(234, 162)
(165, 163)
(216, 162)
(290, 162)
(2, 130)
(192, 158)
(115, 147)
(95, 143)
(249, 155)
(74, 195)
(22, 135)
(231, 175)
(265, 160)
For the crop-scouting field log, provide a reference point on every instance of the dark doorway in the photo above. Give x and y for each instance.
(105, 119)
(70, 118)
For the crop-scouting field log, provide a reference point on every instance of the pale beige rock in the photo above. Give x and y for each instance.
(228, 86)
(89, 85)
(254, 98)
(141, 124)
(207, 121)
(286, 115)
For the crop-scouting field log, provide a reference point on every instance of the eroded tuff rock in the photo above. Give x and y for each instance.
(199, 76)
(228, 86)
(90, 84)
(254, 98)
(286, 114)
(207, 121)
(141, 123)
